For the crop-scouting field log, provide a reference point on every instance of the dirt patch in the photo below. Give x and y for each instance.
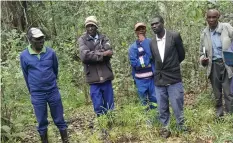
(190, 98)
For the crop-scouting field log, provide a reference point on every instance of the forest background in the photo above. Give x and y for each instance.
(63, 23)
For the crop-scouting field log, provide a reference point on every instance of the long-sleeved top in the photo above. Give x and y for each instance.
(136, 57)
(97, 67)
(226, 38)
(168, 71)
(40, 70)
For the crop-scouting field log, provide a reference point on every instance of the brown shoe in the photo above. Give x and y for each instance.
(165, 133)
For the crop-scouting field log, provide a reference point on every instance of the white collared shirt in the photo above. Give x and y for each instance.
(161, 45)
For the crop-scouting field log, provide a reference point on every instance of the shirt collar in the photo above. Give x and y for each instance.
(32, 52)
(164, 37)
(215, 30)
(96, 36)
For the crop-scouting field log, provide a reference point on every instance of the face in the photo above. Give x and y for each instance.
(38, 43)
(156, 25)
(141, 30)
(212, 18)
(91, 30)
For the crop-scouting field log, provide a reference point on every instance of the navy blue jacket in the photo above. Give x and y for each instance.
(41, 73)
(133, 55)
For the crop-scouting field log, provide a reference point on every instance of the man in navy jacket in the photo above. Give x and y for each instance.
(40, 69)
(142, 66)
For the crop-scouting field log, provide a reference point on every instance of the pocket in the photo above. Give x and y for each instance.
(109, 66)
(181, 87)
(87, 69)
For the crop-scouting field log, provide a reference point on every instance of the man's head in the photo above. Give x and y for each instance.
(91, 25)
(140, 28)
(157, 24)
(36, 38)
(212, 16)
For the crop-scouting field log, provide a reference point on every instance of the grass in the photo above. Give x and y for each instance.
(129, 122)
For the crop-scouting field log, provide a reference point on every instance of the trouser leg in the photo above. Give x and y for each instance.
(228, 96)
(142, 89)
(152, 94)
(40, 109)
(176, 97)
(108, 95)
(56, 109)
(215, 79)
(163, 104)
(97, 98)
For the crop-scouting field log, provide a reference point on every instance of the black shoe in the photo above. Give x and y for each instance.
(165, 133)
(64, 136)
(44, 138)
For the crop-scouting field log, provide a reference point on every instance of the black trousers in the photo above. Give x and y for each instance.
(221, 84)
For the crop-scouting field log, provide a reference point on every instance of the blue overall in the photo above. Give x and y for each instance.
(145, 86)
(40, 72)
(102, 97)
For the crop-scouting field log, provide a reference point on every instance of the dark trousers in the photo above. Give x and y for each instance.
(221, 84)
(175, 94)
(102, 97)
(39, 101)
(231, 85)
(146, 91)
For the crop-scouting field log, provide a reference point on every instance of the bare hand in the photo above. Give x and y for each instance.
(108, 53)
(141, 37)
(205, 61)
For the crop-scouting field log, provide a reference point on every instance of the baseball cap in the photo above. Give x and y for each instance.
(139, 24)
(35, 33)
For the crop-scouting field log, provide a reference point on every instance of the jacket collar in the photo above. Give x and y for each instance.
(88, 38)
(218, 29)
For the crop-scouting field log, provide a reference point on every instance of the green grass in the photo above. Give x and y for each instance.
(128, 122)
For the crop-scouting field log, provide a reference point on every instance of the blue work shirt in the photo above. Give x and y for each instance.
(216, 44)
(40, 70)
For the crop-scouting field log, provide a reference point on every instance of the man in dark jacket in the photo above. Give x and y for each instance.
(95, 53)
(168, 52)
(40, 69)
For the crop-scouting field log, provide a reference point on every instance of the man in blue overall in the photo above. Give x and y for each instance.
(142, 66)
(95, 53)
(40, 69)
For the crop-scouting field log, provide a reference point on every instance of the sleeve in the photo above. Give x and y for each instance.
(230, 30)
(201, 47)
(135, 61)
(55, 65)
(86, 55)
(180, 47)
(107, 46)
(24, 70)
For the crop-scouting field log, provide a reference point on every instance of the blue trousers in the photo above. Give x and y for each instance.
(146, 91)
(39, 101)
(102, 97)
(175, 94)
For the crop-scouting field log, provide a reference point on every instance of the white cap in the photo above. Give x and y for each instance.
(35, 33)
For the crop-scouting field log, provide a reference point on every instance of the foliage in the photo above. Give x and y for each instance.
(63, 23)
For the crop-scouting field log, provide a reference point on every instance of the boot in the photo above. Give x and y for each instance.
(64, 136)
(44, 138)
